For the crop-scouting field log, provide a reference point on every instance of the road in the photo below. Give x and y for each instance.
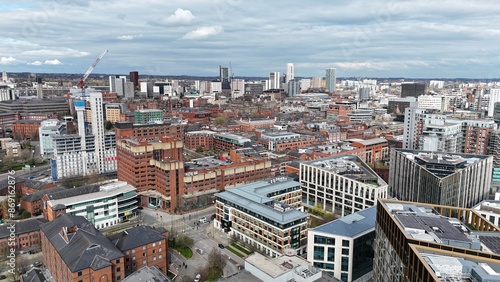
(33, 171)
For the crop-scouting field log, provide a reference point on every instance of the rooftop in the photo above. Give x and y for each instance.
(278, 266)
(423, 223)
(79, 243)
(350, 225)
(369, 142)
(349, 166)
(452, 269)
(254, 197)
(22, 226)
(147, 274)
(135, 237)
(81, 194)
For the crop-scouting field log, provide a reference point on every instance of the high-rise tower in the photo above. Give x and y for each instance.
(274, 80)
(331, 79)
(290, 72)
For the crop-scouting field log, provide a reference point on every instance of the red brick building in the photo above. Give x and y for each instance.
(33, 202)
(142, 246)
(155, 168)
(148, 131)
(251, 125)
(25, 129)
(31, 186)
(203, 138)
(375, 149)
(27, 235)
(73, 250)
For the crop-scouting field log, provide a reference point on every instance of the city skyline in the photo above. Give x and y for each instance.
(377, 39)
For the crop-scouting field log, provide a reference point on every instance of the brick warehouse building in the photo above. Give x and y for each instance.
(25, 129)
(27, 235)
(74, 250)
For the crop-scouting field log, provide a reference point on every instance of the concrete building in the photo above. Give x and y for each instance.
(102, 205)
(113, 112)
(459, 180)
(265, 214)
(293, 88)
(6, 93)
(344, 246)
(331, 79)
(282, 269)
(425, 242)
(46, 133)
(433, 102)
(117, 84)
(341, 185)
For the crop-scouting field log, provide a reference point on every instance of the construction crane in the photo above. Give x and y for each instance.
(81, 84)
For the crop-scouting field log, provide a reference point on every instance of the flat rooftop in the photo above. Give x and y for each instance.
(279, 133)
(254, 197)
(369, 142)
(87, 193)
(350, 225)
(349, 166)
(278, 266)
(235, 137)
(425, 224)
(451, 269)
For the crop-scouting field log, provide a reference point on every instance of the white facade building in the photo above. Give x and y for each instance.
(46, 132)
(433, 102)
(344, 246)
(290, 72)
(102, 205)
(331, 79)
(274, 80)
(305, 84)
(341, 185)
(117, 84)
(437, 84)
(237, 87)
(494, 97)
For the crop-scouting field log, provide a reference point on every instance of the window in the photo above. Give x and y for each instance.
(118, 269)
(133, 258)
(331, 254)
(154, 258)
(134, 265)
(118, 277)
(143, 247)
(133, 251)
(79, 273)
(143, 254)
(319, 253)
(154, 244)
(345, 252)
(159, 250)
(160, 256)
(117, 261)
(345, 243)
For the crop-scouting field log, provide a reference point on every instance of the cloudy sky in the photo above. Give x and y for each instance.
(394, 38)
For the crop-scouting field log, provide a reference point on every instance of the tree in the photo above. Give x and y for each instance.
(199, 149)
(220, 120)
(108, 125)
(184, 242)
(216, 261)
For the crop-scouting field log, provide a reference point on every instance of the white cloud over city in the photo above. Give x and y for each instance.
(193, 37)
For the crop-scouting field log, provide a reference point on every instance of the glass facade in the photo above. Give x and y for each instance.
(362, 261)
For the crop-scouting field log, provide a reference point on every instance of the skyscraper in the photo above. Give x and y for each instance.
(331, 79)
(293, 88)
(134, 78)
(494, 97)
(274, 80)
(290, 72)
(117, 84)
(224, 77)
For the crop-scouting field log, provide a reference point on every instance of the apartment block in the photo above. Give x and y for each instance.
(46, 133)
(148, 116)
(102, 205)
(256, 214)
(427, 242)
(341, 185)
(490, 209)
(375, 149)
(343, 247)
(460, 180)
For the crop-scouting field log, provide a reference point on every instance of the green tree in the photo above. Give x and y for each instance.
(199, 149)
(220, 120)
(108, 125)
(184, 242)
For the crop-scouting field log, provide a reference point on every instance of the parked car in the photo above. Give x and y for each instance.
(203, 220)
(197, 278)
(221, 246)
